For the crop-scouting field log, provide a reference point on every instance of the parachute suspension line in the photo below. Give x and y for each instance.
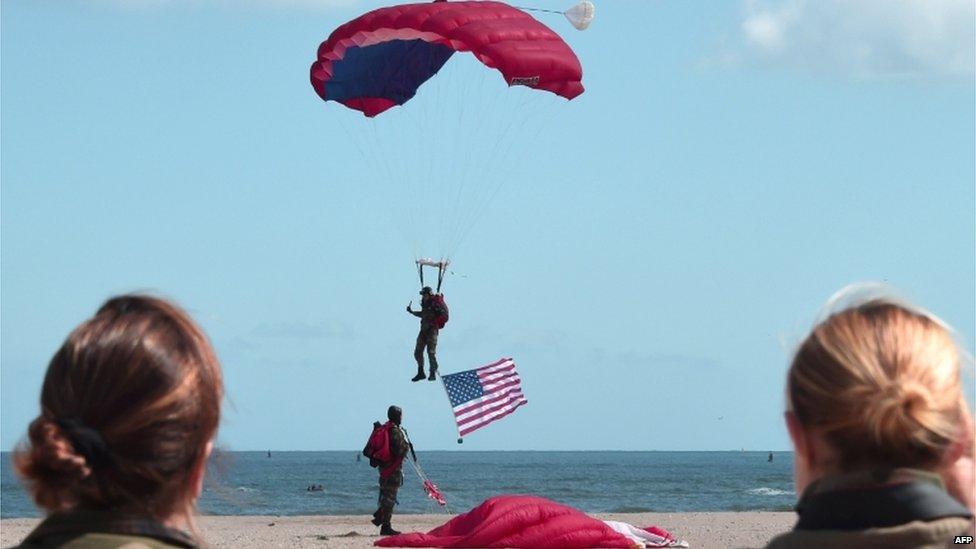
(537, 9)
(522, 111)
(457, 127)
(375, 172)
(499, 110)
(488, 108)
(503, 176)
(440, 276)
(398, 126)
(378, 132)
(428, 126)
(484, 190)
(433, 141)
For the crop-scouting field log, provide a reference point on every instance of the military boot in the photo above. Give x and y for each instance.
(433, 373)
(420, 374)
(387, 530)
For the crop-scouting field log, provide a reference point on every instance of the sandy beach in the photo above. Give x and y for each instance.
(701, 530)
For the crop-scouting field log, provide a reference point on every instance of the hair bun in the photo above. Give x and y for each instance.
(53, 454)
(900, 416)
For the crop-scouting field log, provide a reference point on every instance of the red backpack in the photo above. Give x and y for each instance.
(440, 307)
(378, 446)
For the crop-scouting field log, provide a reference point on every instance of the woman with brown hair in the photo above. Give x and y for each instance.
(129, 409)
(882, 435)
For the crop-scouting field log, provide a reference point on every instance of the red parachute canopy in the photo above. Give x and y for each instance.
(379, 59)
(516, 521)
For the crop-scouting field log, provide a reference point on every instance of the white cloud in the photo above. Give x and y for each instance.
(766, 29)
(862, 37)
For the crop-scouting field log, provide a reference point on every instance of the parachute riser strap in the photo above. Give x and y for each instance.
(420, 271)
(440, 277)
(409, 444)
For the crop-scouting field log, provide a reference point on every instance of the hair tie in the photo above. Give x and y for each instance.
(87, 441)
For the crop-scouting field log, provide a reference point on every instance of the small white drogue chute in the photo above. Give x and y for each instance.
(581, 15)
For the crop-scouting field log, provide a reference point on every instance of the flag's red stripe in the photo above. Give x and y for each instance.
(496, 363)
(500, 371)
(506, 396)
(499, 364)
(505, 410)
(495, 371)
(467, 406)
(495, 399)
(488, 394)
(491, 385)
(480, 425)
(496, 405)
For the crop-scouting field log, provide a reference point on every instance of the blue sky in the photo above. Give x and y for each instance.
(649, 258)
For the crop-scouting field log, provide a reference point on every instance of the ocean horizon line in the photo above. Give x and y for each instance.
(253, 483)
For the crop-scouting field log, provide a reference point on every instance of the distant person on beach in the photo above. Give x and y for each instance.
(391, 473)
(427, 337)
(770, 457)
(129, 408)
(882, 434)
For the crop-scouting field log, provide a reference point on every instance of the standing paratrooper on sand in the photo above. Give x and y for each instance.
(386, 448)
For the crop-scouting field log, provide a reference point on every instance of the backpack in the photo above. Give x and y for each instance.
(378, 445)
(440, 308)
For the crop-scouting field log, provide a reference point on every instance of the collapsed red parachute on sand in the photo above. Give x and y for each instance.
(529, 522)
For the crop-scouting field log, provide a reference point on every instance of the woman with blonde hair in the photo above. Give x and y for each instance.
(129, 408)
(882, 435)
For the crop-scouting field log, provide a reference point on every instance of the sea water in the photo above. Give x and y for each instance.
(251, 483)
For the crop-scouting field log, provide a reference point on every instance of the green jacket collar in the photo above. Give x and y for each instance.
(875, 499)
(76, 523)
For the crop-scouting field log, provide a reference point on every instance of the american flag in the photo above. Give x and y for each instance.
(483, 395)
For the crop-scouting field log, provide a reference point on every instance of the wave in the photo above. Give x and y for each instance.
(631, 509)
(763, 491)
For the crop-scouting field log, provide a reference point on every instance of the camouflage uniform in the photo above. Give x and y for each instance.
(391, 484)
(427, 336)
